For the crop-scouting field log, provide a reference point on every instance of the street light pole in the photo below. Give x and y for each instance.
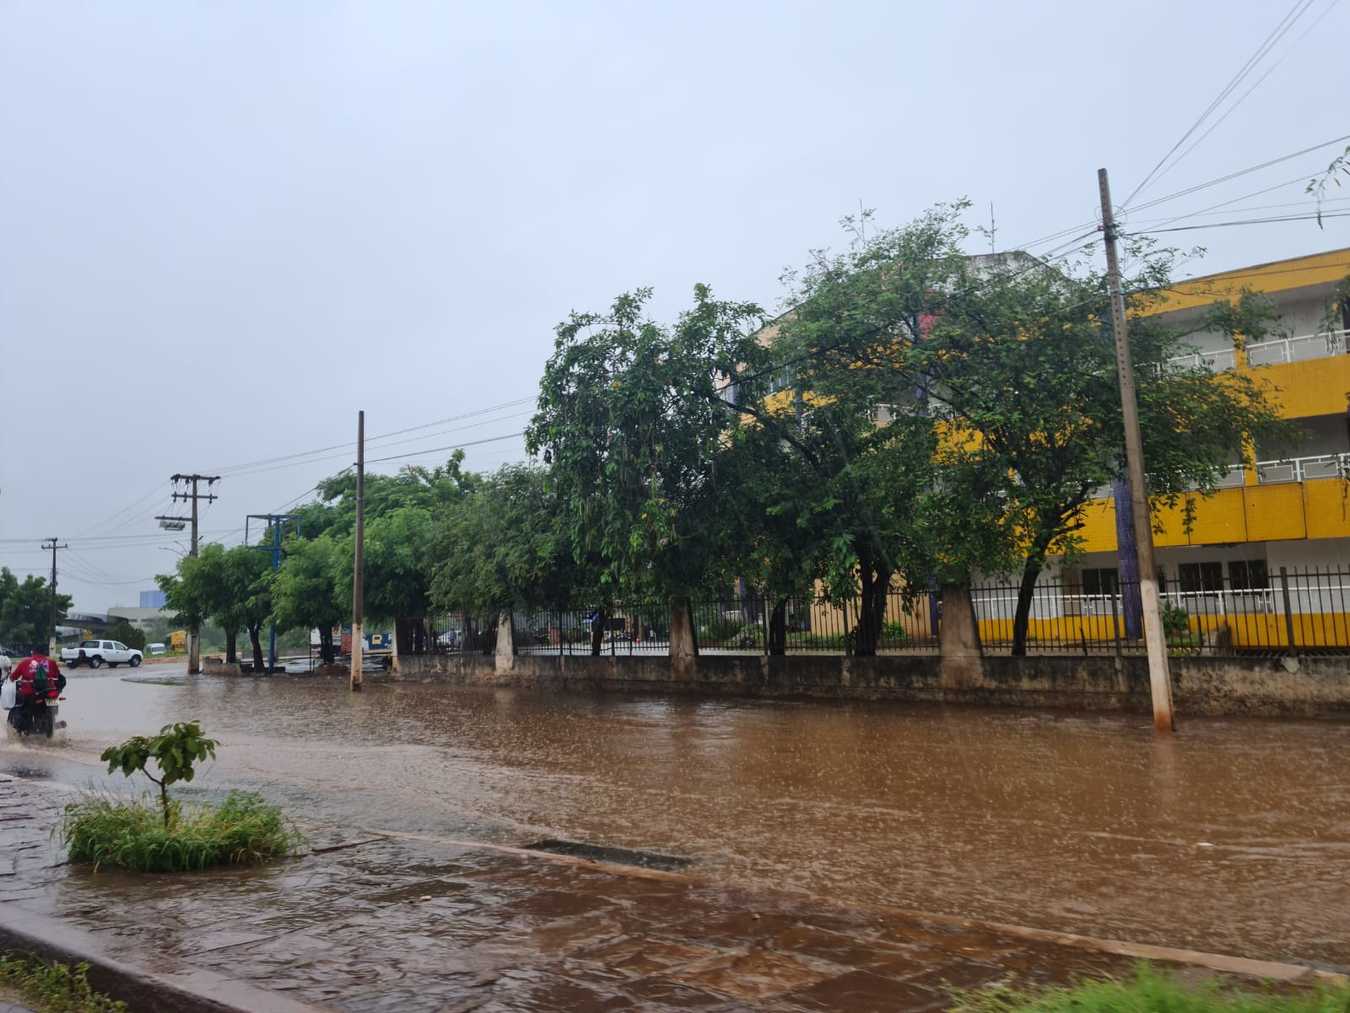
(1160, 679)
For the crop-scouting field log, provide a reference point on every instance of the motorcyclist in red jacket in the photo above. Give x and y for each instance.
(36, 670)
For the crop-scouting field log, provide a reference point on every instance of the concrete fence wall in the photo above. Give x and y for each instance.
(1202, 686)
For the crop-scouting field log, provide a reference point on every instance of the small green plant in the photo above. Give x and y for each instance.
(1176, 621)
(723, 630)
(1149, 990)
(894, 635)
(175, 750)
(55, 988)
(242, 830)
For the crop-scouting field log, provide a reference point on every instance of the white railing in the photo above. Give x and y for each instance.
(1301, 469)
(1216, 361)
(1305, 346)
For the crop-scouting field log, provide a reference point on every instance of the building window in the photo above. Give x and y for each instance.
(1104, 580)
(1201, 577)
(1248, 575)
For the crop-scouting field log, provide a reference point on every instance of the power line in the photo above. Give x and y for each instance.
(1241, 172)
(1243, 221)
(239, 469)
(1272, 37)
(455, 446)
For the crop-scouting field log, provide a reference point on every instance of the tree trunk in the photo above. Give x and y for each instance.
(253, 636)
(778, 628)
(1025, 593)
(1127, 560)
(326, 645)
(598, 625)
(683, 637)
(959, 638)
(506, 640)
(231, 646)
(871, 611)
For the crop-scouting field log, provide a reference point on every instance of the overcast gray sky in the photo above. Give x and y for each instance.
(225, 227)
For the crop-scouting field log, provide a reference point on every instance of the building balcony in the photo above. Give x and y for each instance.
(1269, 353)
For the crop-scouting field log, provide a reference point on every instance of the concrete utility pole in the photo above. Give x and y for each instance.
(191, 491)
(359, 562)
(1160, 679)
(51, 543)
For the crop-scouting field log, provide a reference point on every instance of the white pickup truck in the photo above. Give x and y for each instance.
(97, 653)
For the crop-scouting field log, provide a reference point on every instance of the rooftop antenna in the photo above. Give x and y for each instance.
(993, 229)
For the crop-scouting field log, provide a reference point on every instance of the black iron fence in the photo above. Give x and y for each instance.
(1205, 611)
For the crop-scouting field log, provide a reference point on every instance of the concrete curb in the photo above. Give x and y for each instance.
(142, 989)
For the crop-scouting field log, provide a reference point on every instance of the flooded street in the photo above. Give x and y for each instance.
(1233, 838)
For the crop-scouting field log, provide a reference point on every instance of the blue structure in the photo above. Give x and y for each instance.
(152, 599)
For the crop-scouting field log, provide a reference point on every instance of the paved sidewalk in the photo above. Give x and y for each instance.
(370, 922)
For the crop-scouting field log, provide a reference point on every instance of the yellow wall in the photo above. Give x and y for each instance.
(1277, 276)
(1254, 513)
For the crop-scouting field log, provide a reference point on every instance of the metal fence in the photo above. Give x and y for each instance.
(1209, 610)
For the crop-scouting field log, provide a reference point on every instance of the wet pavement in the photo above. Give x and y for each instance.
(367, 922)
(819, 818)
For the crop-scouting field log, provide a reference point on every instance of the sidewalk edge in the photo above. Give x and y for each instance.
(190, 991)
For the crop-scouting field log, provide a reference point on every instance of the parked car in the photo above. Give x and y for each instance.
(156, 649)
(97, 653)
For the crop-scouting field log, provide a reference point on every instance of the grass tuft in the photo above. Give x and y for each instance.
(1149, 991)
(243, 830)
(55, 988)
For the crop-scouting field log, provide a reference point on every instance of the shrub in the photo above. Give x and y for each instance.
(1148, 990)
(722, 630)
(175, 750)
(242, 830)
(57, 988)
(1176, 621)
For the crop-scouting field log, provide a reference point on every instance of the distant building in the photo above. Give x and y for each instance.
(153, 599)
(141, 618)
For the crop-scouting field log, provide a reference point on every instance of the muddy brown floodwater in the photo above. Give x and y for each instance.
(1234, 837)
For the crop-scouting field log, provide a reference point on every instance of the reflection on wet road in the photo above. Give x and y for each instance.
(1235, 837)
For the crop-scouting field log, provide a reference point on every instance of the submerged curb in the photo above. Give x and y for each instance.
(191, 990)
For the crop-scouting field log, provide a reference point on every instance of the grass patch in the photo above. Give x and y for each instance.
(243, 830)
(55, 988)
(1149, 991)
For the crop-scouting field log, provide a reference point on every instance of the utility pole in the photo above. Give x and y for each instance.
(1160, 679)
(51, 543)
(190, 491)
(359, 560)
(275, 522)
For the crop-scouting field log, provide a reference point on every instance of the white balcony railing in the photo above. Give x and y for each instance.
(1215, 361)
(1302, 469)
(1306, 346)
(1269, 353)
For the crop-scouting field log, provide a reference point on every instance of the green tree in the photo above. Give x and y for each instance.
(231, 586)
(1021, 365)
(175, 751)
(26, 610)
(847, 407)
(304, 590)
(124, 632)
(631, 421)
(502, 548)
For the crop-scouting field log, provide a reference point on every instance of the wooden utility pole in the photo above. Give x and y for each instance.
(191, 491)
(359, 560)
(51, 543)
(1160, 679)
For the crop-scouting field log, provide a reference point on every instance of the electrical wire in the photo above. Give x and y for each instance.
(1272, 38)
(1239, 173)
(1244, 221)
